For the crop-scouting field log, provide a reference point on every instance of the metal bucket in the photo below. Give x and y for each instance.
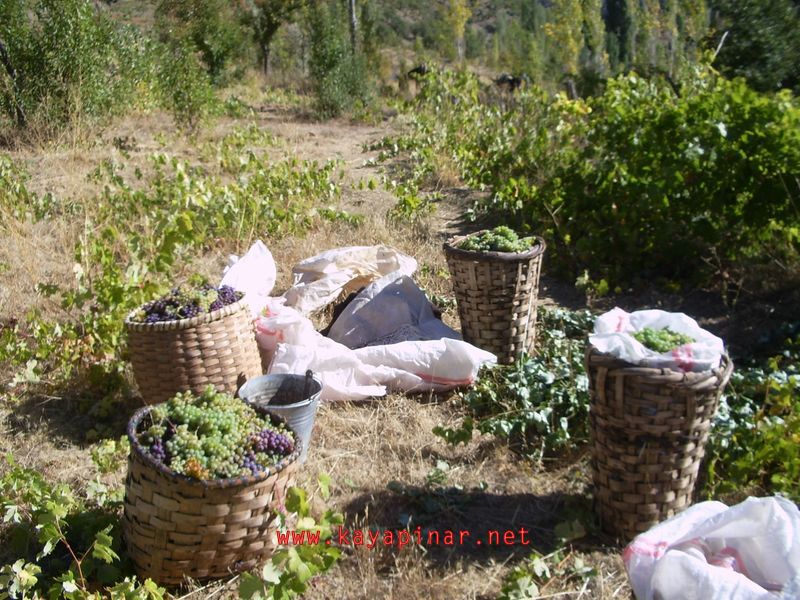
(293, 397)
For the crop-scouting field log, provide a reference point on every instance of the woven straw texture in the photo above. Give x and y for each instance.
(649, 429)
(217, 348)
(178, 527)
(496, 294)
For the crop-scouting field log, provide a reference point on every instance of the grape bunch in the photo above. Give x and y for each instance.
(661, 340)
(187, 302)
(272, 442)
(499, 239)
(214, 436)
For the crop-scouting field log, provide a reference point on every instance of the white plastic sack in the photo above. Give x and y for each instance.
(750, 551)
(427, 365)
(612, 336)
(321, 279)
(432, 365)
(254, 274)
(343, 375)
(348, 374)
(390, 310)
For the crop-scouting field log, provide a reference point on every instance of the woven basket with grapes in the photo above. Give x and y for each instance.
(207, 477)
(495, 276)
(192, 337)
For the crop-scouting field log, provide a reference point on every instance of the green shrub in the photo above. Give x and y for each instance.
(68, 58)
(637, 184)
(338, 74)
(212, 27)
(184, 88)
(755, 445)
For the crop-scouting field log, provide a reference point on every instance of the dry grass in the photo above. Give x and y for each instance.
(365, 447)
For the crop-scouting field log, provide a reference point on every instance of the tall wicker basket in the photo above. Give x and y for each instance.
(649, 430)
(177, 527)
(496, 294)
(217, 348)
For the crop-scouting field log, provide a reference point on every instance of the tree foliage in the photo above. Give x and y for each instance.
(762, 43)
(213, 27)
(266, 17)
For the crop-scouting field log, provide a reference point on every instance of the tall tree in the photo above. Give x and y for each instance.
(351, 9)
(266, 18)
(213, 27)
(565, 31)
(619, 26)
(457, 15)
(594, 33)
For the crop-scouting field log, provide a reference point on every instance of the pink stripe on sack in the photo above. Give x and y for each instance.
(443, 380)
(683, 357)
(644, 548)
(729, 558)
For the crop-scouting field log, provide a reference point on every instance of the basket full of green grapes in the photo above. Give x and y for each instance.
(207, 477)
(194, 336)
(495, 276)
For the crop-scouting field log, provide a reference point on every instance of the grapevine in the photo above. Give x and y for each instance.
(214, 436)
(499, 239)
(187, 302)
(661, 340)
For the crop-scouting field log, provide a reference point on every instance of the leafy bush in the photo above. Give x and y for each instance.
(212, 27)
(185, 89)
(636, 184)
(68, 58)
(755, 445)
(338, 73)
(64, 544)
(539, 403)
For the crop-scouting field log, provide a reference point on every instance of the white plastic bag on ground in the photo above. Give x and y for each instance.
(254, 274)
(391, 309)
(321, 279)
(343, 375)
(347, 374)
(750, 551)
(612, 336)
(427, 365)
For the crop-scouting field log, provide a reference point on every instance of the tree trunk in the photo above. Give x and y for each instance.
(572, 90)
(351, 7)
(265, 57)
(22, 120)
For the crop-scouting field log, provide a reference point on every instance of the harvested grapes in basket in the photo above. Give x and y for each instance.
(213, 436)
(186, 302)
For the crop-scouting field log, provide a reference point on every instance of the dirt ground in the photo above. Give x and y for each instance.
(387, 467)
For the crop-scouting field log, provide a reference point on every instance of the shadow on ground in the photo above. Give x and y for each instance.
(77, 415)
(495, 526)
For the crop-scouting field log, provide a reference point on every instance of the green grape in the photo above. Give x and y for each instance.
(499, 239)
(210, 435)
(661, 340)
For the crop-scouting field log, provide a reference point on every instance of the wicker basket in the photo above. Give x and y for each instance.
(177, 527)
(496, 294)
(217, 348)
(649, 429)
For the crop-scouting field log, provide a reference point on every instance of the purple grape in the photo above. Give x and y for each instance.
(158, 452)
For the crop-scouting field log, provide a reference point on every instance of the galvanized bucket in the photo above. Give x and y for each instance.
(293, 397)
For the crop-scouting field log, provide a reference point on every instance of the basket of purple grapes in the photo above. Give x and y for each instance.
(190, 338)
(207, 478)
